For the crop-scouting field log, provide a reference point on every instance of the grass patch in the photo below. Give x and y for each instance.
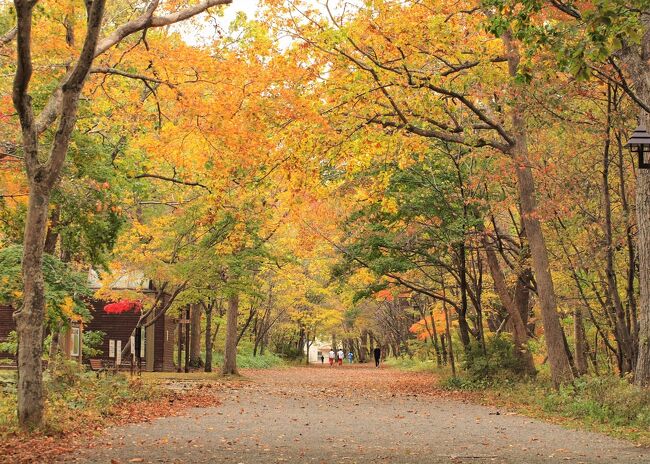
(412, 364)
(248, 361)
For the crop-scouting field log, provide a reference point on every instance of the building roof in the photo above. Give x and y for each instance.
(125, 280)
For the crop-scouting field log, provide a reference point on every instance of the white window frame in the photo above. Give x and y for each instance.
(75, 333)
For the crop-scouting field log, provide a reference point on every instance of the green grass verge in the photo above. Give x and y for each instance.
(412, 364)
(248, 361)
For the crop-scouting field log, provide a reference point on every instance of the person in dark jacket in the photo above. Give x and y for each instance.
(377, 353)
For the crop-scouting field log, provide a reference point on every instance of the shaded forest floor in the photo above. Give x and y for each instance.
(349, 414)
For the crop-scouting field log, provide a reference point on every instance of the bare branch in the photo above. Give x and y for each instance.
(8, 36)
(70, 91)
(442, 135)
(21, 99)
(119, 72)
(173, 180)
(148, 20)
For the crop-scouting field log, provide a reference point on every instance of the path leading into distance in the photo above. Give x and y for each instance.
(350, 415)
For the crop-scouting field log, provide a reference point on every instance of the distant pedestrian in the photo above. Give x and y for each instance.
(322, 358)
(350, 356)
(332, 355)
(377, 353)
(341, 355)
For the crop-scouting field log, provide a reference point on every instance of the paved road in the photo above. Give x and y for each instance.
(350, 415)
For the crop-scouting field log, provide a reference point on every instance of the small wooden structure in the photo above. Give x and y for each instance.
(157, 347)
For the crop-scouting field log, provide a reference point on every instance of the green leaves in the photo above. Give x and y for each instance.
(65, 289)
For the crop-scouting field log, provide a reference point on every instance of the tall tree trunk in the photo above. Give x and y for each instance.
(42, 178)
(630, 241)
(230, 351)
(642, 373)
(553, 334)
(30, 318)
(195, 334)
(636, 59)
(622, 329)
(519, 333)
(449, 342)
(208, 338)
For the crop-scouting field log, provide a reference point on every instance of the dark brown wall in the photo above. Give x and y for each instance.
(120, 327)
(7, 325)
(168, 349)
(116, 326)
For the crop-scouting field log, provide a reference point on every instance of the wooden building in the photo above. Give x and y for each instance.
(157, 347)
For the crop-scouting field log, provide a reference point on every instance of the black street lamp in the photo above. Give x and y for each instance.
(639, 143)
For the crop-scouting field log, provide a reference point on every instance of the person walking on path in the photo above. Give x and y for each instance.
(341, 355)
(332, 355)
(350, 357)
(322, 358)
(377, 353)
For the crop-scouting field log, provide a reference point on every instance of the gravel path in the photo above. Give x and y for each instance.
(350, 415)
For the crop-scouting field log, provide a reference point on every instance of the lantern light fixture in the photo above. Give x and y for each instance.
(639, 143)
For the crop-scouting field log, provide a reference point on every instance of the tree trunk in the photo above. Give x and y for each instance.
(463, 327)
(636, 60)
(195, 334)
(580, 342)
(30, 318)
(642, 374)
(230, 350)
(52, 232)
(522, 293)
(208, 338)
(622, 329)
(519, 334)
(187, 340)
(553, 335)
(449, 343)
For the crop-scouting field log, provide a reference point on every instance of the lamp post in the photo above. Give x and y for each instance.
(639, 143)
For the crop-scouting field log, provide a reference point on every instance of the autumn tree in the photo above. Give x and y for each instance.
(408, 86)
(43, 172)
(608, 41)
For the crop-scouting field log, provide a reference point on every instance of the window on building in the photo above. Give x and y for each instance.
(143, 334)
(76, 341)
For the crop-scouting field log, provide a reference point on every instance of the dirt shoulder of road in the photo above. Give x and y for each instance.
(526, 399)
(39, 447)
